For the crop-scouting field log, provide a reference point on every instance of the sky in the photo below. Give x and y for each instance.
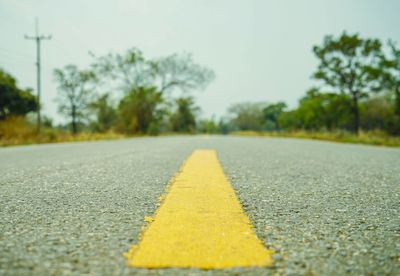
(260, 50)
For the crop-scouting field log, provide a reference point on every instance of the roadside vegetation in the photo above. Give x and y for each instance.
(354, 97)
(369, 138)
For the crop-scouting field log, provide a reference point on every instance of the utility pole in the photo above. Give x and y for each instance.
(38, 38)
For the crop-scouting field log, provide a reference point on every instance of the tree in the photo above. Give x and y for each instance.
(271, 115)
(75, 89)
(127, 71)
(390, 73)
(348, 65)
(141, 110)
(378, 113)
(179, 72)
(106, 114)
(289, 121)
(150, 83)
(247, 116)
(13, 100)
(209, 126)
(184, 119)
(323, 111)
(131, 70)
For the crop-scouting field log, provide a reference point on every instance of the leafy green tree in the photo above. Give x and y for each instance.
(323, 111)
(13, 100)
(184, 118)
(379, 113)
(271, 115)
(141, 111)
(105, 113)
(347, 65)
(75, 89)
(148, 85)
(390, 73)
(209, 126)
(289, 120)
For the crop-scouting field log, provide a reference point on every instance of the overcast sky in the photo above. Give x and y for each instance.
(259, 50)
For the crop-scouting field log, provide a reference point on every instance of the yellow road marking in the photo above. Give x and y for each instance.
(200, 223)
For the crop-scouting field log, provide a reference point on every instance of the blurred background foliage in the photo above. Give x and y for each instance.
(354, 97)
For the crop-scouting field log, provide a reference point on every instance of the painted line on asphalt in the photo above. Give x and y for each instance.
(200, 223)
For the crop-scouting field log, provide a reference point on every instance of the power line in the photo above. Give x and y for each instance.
(38, 38)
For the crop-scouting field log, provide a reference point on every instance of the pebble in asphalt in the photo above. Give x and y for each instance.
(325, 208)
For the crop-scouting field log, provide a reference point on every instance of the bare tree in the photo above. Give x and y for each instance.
(74, 92)
(130, 71)
(180, 72)
(126, 71)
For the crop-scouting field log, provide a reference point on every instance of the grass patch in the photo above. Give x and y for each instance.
(370, 138)
(16, 131)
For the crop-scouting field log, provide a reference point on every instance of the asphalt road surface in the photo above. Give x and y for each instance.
(324, 208)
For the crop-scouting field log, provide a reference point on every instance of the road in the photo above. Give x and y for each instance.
(324, 208)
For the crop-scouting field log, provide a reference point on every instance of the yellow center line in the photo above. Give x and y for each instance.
(200, 223)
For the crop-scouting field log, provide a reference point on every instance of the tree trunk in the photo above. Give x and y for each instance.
(74, 125)
(397, 100)
(356, 113)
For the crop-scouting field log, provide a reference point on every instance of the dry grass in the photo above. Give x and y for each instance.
(371, 138)
(16, 131)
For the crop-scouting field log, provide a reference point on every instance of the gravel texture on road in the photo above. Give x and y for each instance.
(325, 208)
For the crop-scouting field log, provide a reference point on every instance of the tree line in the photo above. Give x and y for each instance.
(356, 86)
(131, 94)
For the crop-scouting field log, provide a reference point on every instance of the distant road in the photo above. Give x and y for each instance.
(324, 208)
